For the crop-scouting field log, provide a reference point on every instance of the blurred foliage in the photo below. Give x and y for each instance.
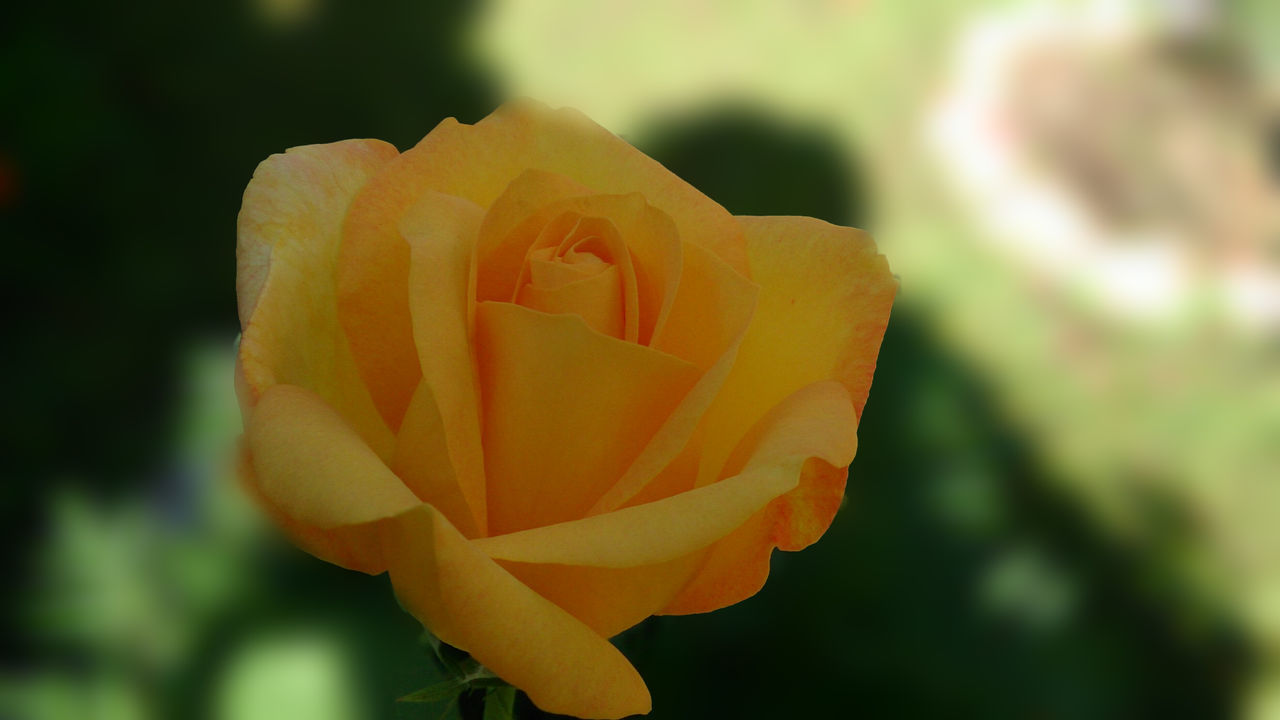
(961, 579)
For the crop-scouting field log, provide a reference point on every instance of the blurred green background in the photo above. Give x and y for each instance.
(1063, 501)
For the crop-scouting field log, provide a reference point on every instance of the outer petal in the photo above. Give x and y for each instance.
(738, 565)
(816, 422)
(300, 195)
(440, 230)
(552, 449)
(288, 237)
(470, 602)
(823, 306)
(824, 303)
(608, 600)
(313, 469)
(312, 466)
(354, 547)
(477, 162)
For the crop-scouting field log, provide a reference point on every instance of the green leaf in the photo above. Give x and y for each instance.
(453, 660)
(443, 690)
(500, 703)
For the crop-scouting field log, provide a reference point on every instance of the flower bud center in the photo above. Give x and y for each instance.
(579, 265)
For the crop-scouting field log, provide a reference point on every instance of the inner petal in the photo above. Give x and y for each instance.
(595, 298)
(548, 273)
(580, 266)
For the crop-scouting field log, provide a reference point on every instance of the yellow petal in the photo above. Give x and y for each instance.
(608, 600)
(648, 234)
(317, 478)
(566, 410)
(422, 462)
(572, 239)
(710, 310)
(816, 422)
(354, 547)
(440, 231)
(710, 314)
(314, 467)
(823, 306)
(824, 302)
(478, 162)
(298, 196)
(470, 602)
(512, 225)
(545, 273)
(288, 238)
(596, 299)
(736, 567)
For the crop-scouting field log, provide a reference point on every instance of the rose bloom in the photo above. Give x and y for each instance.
(546, 385)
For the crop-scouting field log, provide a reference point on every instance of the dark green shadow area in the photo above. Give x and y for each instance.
(756, 165)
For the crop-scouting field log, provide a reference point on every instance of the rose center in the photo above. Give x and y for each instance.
(580, 266)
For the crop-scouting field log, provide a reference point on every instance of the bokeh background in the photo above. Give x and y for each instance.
(1066, 501)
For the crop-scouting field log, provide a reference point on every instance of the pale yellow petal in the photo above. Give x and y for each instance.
(354, 547)
(298, 196)
(289, 234)
(313, 466)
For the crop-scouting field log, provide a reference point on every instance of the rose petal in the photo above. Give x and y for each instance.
(649, 235)
(608, 600)
(823, 306)
(824, 303)
(373, 287)
(596, 299)
(470, 602)
(319, 479)
(422, 462)
(479, 161)
(440, 231)
(314, 467)
(737, 566)
(512, 225)
(288, 238)
(711, 312)
(566, 409)
(815, 422)
(354, 547)
(572, 237)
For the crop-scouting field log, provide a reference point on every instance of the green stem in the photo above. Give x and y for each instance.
(500, 703)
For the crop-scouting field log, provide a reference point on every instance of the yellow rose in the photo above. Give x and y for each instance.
(548, 386)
